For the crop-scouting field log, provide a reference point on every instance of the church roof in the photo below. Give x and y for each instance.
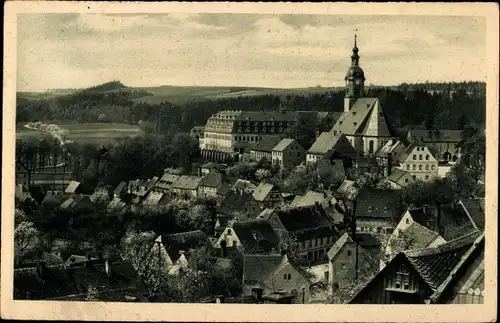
(353, 121)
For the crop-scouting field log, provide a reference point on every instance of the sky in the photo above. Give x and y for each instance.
(283, 51)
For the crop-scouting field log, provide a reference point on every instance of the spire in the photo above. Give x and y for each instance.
(355, 56)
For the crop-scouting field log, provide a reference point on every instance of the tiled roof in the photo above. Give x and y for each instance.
(153, 198)
(116, 205)
(327, 142)
(436, 135)
(58, 282)
(345, 186)
(353, 121)
(455, 222)
(418, 237)
(267, 116)
(434, 264)
(223, 189)
(186, 182)
(389, 147)
(72, 186)
(396, 174)
(262, 191)
(283, 144)
(475, 209)
(266, 144)
(366, 240)
(337, 246)
(265, 214)
(119, 189)
(211, 180)
(166, 180)
(406, 153)
(259, 267)
(242, 184)
(233, 202)
(152, 182)
(376, 203)
(256, 236)
(310, 198)
(67, 203)
(183, 241)
(303, 218)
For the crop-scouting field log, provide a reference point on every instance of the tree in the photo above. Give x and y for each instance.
(304, 129)
(92, 294)
(25, 234)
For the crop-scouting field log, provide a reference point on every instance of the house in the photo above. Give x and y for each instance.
(73, 188)
(310, 198)
(348, 262)
(370, 244)
(288, 153)
(186, 186)
(348, 190)
(268, 274)
(398, 178)
(197, 132)
(174, 249)
(443, 142)
(153, 198)
(376, 212)
(419, 162)
(101, 279)
(250, 237)
(329, 145)
(244, 185)
(239, 204)
(209, 185)
(145, 187)
(116, 205)
(212, 168)
(389, 155)
(418, 276)
(78, 202)
(120, 189)
(267, 195)
(164, 184)
(263, 148)
(308, 229)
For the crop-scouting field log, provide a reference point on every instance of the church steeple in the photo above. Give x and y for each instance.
(355, 78)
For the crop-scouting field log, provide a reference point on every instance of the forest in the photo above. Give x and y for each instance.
(427, 105)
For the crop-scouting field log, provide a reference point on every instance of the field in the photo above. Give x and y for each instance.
(100, 133)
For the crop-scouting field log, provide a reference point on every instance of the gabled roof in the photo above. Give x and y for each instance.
(258, 267)
(184, 241)
(266, 144)
(283, 144)
(327, 142)
(72, 187)
(262, 191)
(416, 235)
(353, 121)
(310, 198)
(434, 264)
(389, 147)
(396, 175)
(223, 189)
(337, 246)
(234, 201)
(116, 205)
(186, 182)
(67, 203)
(242, 184)
(119, 189)
(346, 186)
(166, 180)
(256, 236)
(475, 210)
(212, 179)
(436, 135)
(366, 240)
(376, 203)
(153, 198)
(265, 214)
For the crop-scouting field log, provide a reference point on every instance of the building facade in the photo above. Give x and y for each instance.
(288, 153)
(419, 162)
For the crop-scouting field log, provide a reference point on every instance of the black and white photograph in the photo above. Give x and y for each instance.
(271, 158)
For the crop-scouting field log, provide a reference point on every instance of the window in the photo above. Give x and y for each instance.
(406, 285)
(414, 167)
(426, 157)
(229, 232)
(327, 275)
(397, 284)
(414, 157)
(287, 276)
(426, 176)
(407, 221)
(235, 243)
(349, 252)
(408, 167)
(420, 157)
(369, 209)
(406, 180)
(298, 153)
(433, 167)
(414, 177)
(420, 167)
(371, 147)
(385, 209)
(343, 266)
(426, 167)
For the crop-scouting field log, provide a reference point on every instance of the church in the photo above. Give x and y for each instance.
(363, 121)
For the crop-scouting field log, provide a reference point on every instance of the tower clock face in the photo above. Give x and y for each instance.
(358, 82)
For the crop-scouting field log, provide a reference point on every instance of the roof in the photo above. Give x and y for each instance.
(166, 180)
(283, 144)
(61, 283)
(184, 241)
(234, 201)
(266, 144)
(242, 184)
(455, 222)
(186, 182)
(259, 267)
(475, 209)
(262, 191)
(223, 189)
(310, 198)
(211, 180)
(67, 203)
(338, 245)
(153, 198)
(389, 147)
(376, 203)
(327, 142)
(266, 214)
(396, 174)
(436, 135)
(256, 236)
(116, 204)
(418, 237)
(119, 189)
(72, 187)
(346, 186)
(303, 218)
(434, 264)
(366, 240)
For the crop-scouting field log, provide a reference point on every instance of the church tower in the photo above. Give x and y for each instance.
(354, 79)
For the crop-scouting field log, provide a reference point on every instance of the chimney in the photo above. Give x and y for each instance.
(107, 267)
(223, 249)
(41, 267)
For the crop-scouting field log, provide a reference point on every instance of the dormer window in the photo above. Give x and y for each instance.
(385, 209)
(369, 209)
(354, 113)
(355, 123)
